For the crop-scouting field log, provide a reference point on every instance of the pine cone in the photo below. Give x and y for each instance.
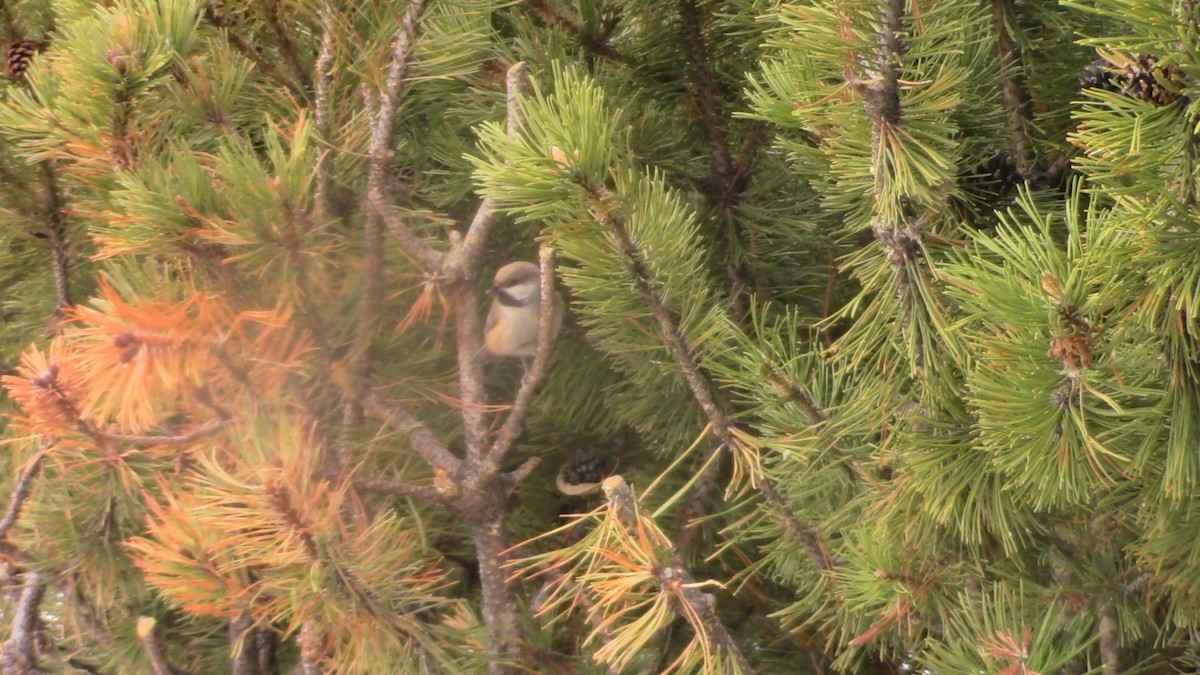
(1099, 75)
(18, 56)
(584, 471)
(1145, 78)
(1141, 78)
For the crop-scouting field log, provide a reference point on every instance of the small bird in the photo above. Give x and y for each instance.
(512, 323)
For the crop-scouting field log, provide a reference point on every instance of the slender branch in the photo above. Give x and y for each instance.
(432, 450)
(547, 319)
(675, 577)
(677, 344)
(179, 439)
(217, 18)
(323, 112)
(401, 489)
(382, 149)
(311, 649)
(242, 646)
(1110, 639)
(287, 46)
(1015, 97)
(151, 639)
(555, 19)
(466, 260)
(19, 657)
(22, 489)
(705, 92)
(58, 239)
(469, 342)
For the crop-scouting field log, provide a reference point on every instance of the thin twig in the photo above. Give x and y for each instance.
(22, 489)
(432, 450)
(555, 19)
(466, 260)
(151, 639)
(58, 240)
(382, 149)
(218, 19)
(287, 46)
(547, 318)
(178, 439)
(401, 489)
(19, 657)
(555, 579)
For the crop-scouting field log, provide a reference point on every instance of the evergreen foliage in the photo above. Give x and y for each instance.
(884, 318)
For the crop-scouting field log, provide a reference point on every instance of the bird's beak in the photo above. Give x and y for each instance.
(492, 290)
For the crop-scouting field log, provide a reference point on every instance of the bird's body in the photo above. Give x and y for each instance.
(512, 322)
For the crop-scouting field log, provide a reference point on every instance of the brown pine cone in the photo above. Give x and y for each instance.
(17, 57)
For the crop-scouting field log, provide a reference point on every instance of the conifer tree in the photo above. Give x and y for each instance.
(881, 348)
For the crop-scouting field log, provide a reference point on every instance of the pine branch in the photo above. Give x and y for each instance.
(215, 16)
(1013, 92)
(432, 450)
(323, 113)
(22, 489)
(677, 344)
(57, 233)
(311, 649)
(287, 46)
(705, 93)
(516, 417)
(241, 643)
(464, 259)
(382, 149)
(1110, 639)
(553, 18)
(151, 639)
(700, 606)
(725, 182)
(19, 657)
(499, 603)
(402, 489)
(883, 94)
(178, 439)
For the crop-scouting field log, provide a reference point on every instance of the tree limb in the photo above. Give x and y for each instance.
(401, 489)
(466, 259)
(323, 113)
(19, 657)
(22, 489)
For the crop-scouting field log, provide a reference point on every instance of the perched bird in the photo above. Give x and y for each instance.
(512, 323)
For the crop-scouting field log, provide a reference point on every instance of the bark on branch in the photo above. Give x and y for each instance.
(19, 651)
